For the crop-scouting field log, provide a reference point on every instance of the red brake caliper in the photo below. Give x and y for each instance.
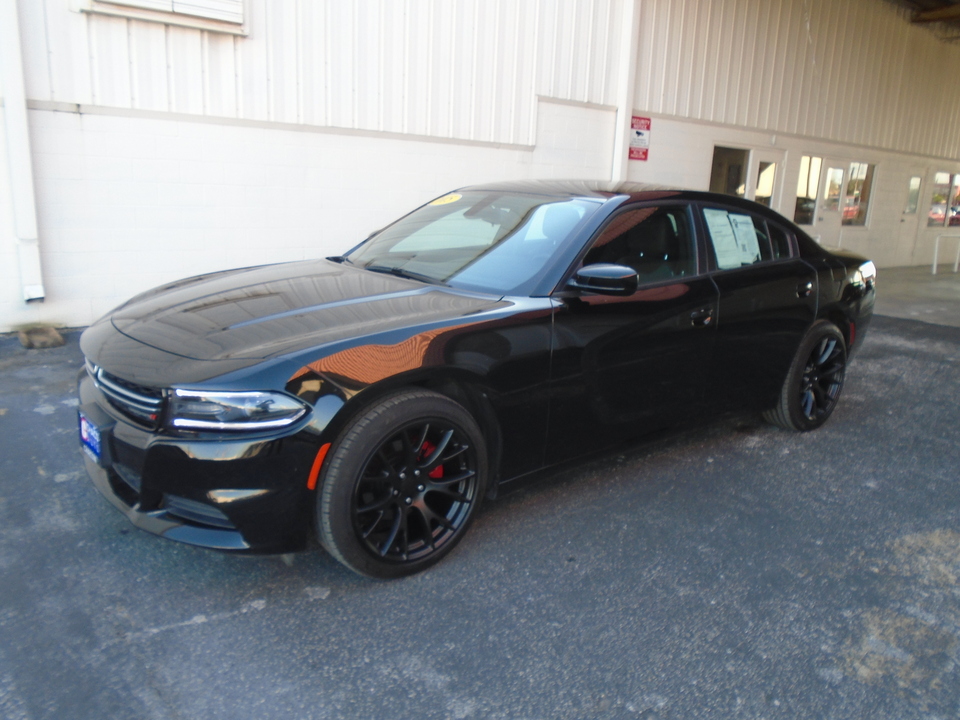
(425, 450)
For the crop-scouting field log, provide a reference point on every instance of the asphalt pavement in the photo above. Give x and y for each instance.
(733, 570)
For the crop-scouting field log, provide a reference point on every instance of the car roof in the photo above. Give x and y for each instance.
(631, 192)
(607, 189)
(601, 189)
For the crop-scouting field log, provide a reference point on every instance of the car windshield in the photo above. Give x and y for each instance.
(488, 241)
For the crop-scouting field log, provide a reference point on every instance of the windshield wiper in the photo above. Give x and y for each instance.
(340, 259)
(400, 272)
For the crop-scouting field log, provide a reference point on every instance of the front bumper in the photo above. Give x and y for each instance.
(240, 495)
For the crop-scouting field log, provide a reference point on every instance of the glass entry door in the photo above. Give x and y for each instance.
(763, 182)
(829, 213)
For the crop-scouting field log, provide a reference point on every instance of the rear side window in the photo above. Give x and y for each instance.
(657, 242)
(737, 239)
(779, 241)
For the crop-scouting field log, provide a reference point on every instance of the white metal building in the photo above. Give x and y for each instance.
(146, 140)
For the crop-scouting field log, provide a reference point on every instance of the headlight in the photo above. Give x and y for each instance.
(200, 410)
(869, 272)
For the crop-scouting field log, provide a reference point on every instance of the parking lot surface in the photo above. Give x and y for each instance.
(732, 570)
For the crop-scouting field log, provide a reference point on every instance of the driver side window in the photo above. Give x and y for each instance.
(655, 241)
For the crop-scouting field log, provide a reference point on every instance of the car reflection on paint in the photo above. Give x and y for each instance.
(374, 400)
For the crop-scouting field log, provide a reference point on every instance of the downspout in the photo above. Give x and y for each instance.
(627, 75)
(18, 153)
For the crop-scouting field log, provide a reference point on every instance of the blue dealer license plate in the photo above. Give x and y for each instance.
(90, 438)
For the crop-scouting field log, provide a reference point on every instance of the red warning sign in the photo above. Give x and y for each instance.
(639, 138)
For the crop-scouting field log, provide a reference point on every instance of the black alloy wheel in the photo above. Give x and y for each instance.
(822, 379)
(814, 382)
(403, 484)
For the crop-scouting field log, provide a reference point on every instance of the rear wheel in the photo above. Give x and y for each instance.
(402, 484)
(813, 384)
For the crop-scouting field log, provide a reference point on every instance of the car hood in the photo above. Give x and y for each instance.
(263, 312)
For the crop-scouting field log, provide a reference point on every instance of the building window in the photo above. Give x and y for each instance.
(857, 196)
(729, 171)
(913, 196)
(215, 15)
(807, 186)
(945, 201)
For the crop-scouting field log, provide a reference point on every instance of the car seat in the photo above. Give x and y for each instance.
(651, 248)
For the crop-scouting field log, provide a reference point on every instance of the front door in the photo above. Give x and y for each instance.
(625, 366)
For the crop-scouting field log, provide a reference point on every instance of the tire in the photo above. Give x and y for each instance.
(402, 484)
(813, 384)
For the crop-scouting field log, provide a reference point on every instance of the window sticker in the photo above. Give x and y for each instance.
(447, 199)
(724, 240)
(747, 241)
(734, 236)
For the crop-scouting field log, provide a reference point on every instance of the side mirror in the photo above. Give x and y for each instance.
(606, 279)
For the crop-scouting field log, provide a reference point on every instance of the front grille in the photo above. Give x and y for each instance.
(137, 402)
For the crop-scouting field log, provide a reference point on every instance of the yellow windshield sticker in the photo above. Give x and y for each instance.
(447, 199)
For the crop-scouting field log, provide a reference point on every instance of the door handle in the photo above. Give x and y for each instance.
(702, 317)
(804, 289)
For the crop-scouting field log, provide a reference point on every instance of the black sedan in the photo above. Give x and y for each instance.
(374, 399)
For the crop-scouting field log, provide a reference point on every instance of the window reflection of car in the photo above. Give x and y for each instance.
(803, 215)
(373, 400)
(850, 208)
(937, 214)
(954, 215)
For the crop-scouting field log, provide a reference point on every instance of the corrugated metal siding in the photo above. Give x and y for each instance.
(469, 69)
(853, 71)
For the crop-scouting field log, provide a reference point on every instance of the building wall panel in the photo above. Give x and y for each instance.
(220, 75)
(110, 62)
(184, 57)
(148, 67)
(854, 72)
(253, 66)
(469, 69)
(283, 66)
(67, 52)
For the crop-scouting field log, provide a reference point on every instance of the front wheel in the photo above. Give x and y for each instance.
(813, 384)
(402, 485)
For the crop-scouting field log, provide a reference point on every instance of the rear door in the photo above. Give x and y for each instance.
(625, 366)
(767, 301)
